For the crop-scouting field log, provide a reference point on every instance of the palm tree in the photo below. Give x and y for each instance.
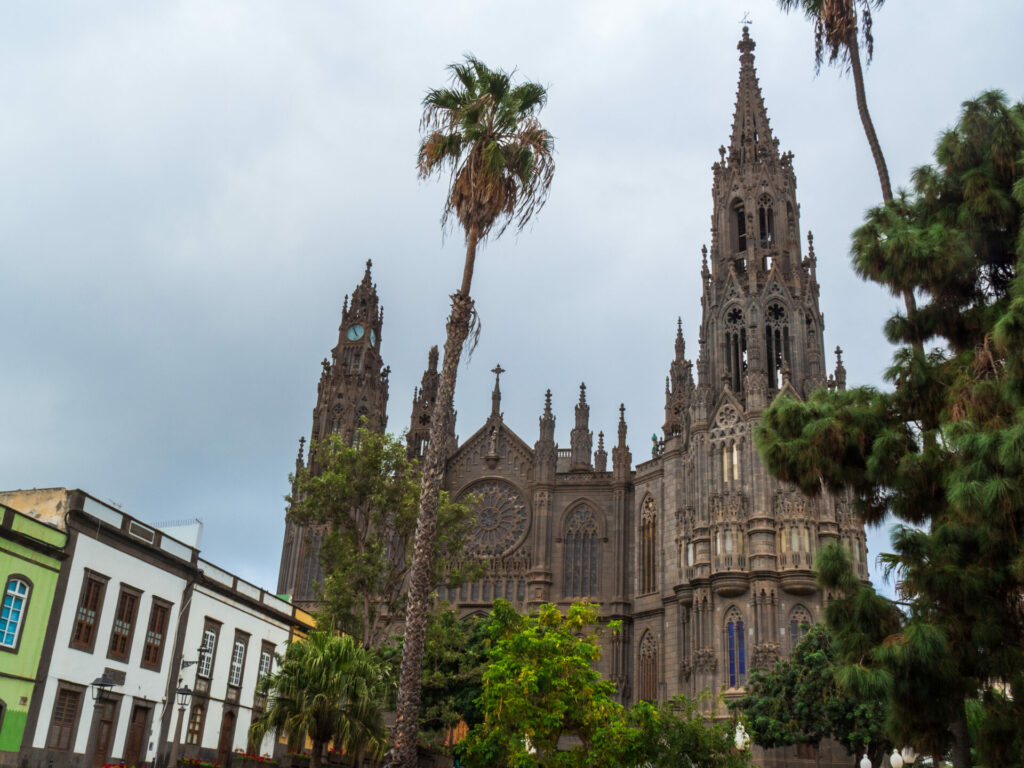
(836, 31)
(327, 688)
(484, 133)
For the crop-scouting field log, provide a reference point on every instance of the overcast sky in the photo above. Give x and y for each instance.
(188, 190)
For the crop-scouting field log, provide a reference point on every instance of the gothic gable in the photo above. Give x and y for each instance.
(494, 449)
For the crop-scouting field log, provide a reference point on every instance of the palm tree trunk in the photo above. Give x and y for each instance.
(405, 732)
(876, 149)
(865, 118)
(314, 757)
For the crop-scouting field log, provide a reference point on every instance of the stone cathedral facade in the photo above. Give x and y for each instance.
(703, 556)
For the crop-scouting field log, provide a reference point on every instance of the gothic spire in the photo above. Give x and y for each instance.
(751, 139)
(680, 341)
(600, 455)
(621, 457)
(581, 439)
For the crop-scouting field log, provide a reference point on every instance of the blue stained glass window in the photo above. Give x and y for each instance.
(732, 655)
(15, 597)
(742, 649)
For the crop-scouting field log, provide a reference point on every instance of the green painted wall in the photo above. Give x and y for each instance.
(41, 568)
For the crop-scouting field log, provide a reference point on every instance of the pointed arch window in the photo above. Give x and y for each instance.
(735, 644)
(776, 343)
(739, 221)
(799, 623)
(648, 546)
(735, 347)
(581, 553)
(648, 687)
(766, 222)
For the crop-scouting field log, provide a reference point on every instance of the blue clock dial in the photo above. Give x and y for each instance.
(355, 332)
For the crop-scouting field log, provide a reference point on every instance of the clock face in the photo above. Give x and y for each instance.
(355, 332)
(373, 339)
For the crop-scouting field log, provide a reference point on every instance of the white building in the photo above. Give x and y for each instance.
(132, 605)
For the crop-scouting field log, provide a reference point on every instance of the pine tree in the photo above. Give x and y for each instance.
(942, 450)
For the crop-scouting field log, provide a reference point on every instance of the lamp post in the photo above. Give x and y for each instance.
(184, 694)
(100, 687)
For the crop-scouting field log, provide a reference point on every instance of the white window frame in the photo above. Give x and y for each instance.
(206, 652)
(237, 657)
(266, 664)
(11, 593)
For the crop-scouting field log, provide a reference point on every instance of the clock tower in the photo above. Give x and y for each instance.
(353, 385)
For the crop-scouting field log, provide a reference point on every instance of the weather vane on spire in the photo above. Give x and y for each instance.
(746, 18)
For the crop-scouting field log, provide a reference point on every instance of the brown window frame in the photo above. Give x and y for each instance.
(194, 731)
(89, 577)
(157, 604)
(131, 597)
(67, 730)
(243, 638)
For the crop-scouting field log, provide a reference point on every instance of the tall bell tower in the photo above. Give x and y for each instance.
(353, 386)
(761, 326)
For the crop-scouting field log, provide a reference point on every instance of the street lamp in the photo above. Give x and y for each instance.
(909, 756)
(184, 693)
(865, 762)
(100, 686)
(895, 759)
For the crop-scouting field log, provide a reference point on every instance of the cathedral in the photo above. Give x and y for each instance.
(705, 558)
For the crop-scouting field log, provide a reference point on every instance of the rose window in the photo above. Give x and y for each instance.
(501, 519)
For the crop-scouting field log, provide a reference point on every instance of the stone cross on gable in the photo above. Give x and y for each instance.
(496, 395)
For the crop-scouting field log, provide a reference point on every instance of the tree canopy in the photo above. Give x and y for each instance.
(542, 685)
(942, 451)
(328, 689)
(799, 702)
(366, 493)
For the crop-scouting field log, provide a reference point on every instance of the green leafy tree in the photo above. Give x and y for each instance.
(453, 667)
(484, 132)
(799, 702)
(455, 657)
(327, 689)
(943, 451)
(676, 735)
(367, 494)
(541, 685)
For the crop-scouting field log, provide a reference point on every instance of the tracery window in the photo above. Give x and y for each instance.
(799, 623)
(501, 518)
(735, 347)
(735, 643)
(581, 553)
(648, 546)
(648, 687)
(776, 343)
